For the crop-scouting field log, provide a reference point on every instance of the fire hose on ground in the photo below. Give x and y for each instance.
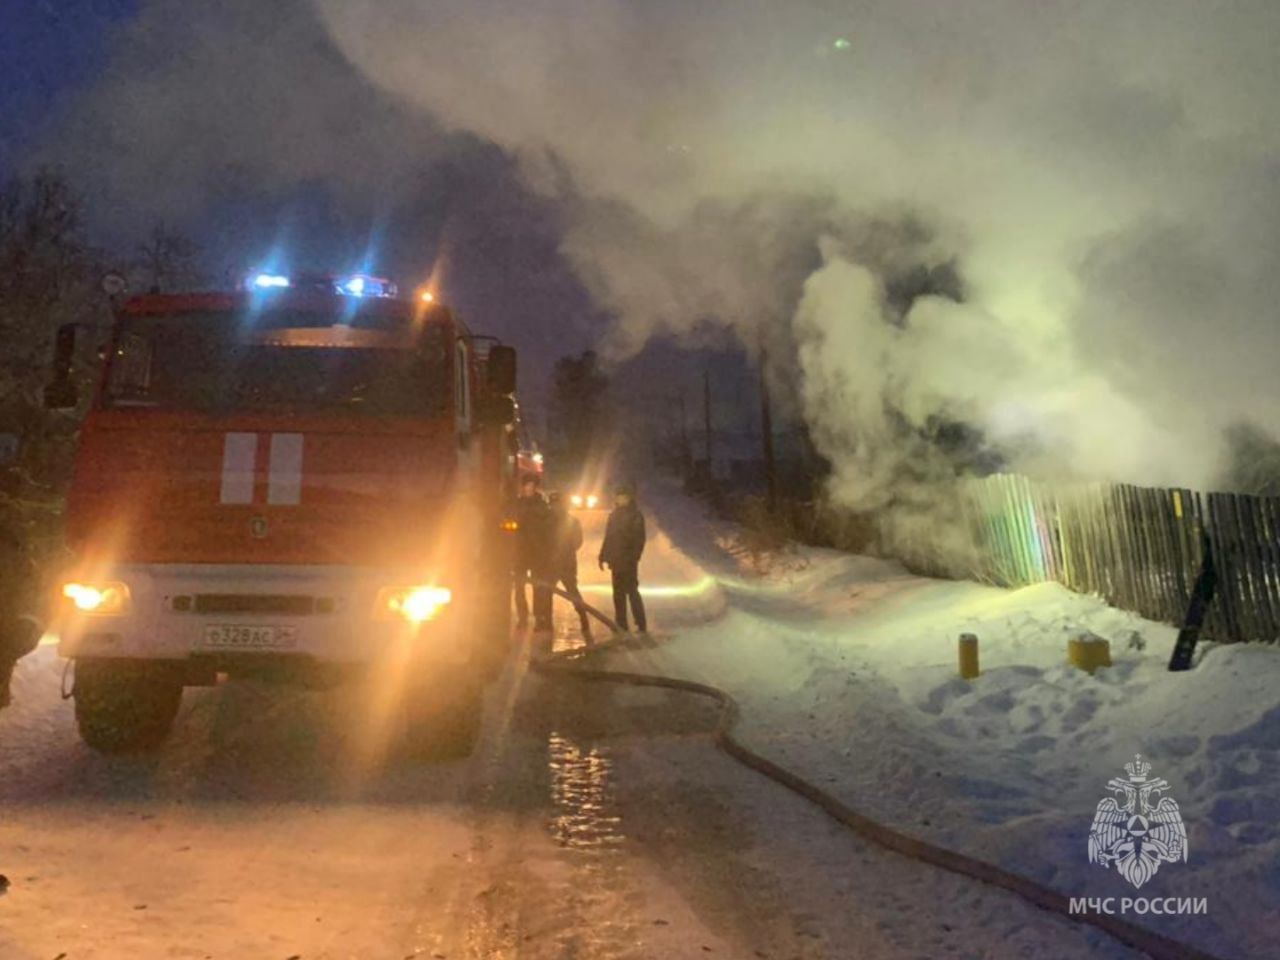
(567, 665)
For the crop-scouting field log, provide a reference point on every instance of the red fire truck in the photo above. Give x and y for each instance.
(306, 480)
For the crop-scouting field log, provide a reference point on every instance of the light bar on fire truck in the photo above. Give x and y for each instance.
(353, 285)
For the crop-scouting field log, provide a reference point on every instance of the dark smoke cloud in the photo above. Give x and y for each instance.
(204, 99)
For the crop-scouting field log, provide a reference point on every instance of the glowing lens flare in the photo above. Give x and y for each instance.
(415, 604)
(104, 600)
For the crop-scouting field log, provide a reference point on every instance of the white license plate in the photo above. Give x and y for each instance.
(241, 636)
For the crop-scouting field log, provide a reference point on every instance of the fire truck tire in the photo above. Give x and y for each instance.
(445, 724)
(124, 707)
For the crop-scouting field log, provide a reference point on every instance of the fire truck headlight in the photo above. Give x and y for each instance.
(415, 604)
(101, 599)
(576, 499)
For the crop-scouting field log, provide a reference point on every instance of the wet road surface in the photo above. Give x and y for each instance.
(266, 829)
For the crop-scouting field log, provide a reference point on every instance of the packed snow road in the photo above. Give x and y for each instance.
(592, 821)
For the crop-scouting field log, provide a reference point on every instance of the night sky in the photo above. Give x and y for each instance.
(49, 49)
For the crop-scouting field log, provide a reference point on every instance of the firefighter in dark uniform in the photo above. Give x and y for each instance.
(623, 544)
(532, 549)
(566, 540)
(528, 504)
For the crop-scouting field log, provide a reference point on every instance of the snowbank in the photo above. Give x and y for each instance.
(846, 670)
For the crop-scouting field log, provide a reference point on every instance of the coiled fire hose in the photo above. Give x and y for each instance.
(567, 665)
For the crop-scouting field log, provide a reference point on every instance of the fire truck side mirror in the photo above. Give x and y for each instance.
(60, 393)
(497, 411)
(502, 369)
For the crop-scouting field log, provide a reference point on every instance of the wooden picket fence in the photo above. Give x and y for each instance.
(1139, 548)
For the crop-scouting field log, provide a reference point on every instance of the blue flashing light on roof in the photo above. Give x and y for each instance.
(353, 285)
(361, 285)
(269, 281)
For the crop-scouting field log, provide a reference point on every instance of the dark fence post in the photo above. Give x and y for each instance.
(1201, 596)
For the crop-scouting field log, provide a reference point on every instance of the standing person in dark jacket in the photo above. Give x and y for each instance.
(566, 540)
(19, 632)
(623, 544)
(531, 548)
(18, 637)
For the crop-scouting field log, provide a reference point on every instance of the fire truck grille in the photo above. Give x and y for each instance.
(283, 604)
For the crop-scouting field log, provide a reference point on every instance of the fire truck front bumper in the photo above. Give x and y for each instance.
(226, 614)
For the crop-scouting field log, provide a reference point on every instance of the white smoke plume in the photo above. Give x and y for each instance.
(1102, 177)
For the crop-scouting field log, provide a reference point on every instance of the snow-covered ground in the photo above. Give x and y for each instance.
(846, 668)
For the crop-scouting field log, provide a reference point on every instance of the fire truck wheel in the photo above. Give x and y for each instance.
(124, 707)
(444, 723)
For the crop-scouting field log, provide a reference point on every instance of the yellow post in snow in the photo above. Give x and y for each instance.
(1087, 652)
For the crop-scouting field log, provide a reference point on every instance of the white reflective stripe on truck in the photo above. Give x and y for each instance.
(284, 484)
(239, 451)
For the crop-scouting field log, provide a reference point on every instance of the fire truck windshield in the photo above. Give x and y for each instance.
(213, 363)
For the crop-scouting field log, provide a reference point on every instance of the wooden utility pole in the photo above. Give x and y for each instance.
(766, 433)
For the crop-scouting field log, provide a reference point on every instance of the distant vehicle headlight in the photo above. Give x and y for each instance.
(576, 499)
(417, 604)
(99, 599)
(593, 501)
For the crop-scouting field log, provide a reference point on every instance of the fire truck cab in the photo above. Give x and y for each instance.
(301, 480)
